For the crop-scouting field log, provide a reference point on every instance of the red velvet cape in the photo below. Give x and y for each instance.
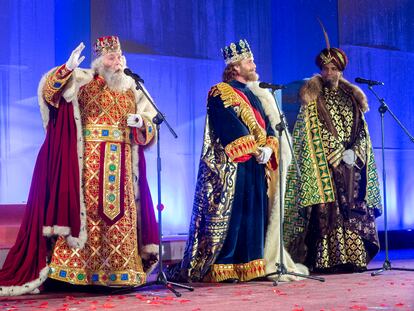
(54, 199)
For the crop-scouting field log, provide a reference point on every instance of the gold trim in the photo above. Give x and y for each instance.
(326, 60)
(55, 81)
(83, 277)
(106, 133)
(273, 143)
(231, 98)
(335, 153)
(335, 157)
(111, 196)
(243, 272)
(312, 125)
(341, 58)
(240, 147)
(146, 133)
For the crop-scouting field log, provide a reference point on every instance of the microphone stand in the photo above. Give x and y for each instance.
(386, 266)
(158, 119)
(280, 266)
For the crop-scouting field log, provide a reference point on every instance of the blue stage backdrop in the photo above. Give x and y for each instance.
(378, 38)
(175, 47)
(28, 51)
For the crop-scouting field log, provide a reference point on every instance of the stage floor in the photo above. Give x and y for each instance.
(392, 290)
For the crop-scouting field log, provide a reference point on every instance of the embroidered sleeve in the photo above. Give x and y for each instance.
(333, 148)
(52, 90)
(227, 126)
(144, 135)
(273, 143)
(232, 99)
(241, 149)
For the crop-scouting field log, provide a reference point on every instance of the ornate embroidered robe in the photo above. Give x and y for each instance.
(330, 212)
(89, 188)
(110, 255)
(234, 224)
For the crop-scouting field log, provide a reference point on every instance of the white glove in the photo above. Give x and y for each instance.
(135, 120)
(349, 157)
(264, 155)
(75, 58)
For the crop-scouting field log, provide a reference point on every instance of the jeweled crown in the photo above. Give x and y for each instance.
(236, 51)
(105, 45)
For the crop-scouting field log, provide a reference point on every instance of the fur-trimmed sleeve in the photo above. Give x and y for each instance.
(54, 85)
(146, 135)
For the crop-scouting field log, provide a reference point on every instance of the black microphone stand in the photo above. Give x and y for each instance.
(158, 119)
(382, 110)
(280, 266)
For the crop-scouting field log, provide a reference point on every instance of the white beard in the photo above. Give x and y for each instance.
(116, 81)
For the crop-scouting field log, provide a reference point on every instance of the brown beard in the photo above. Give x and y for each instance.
(249, 75)
(252, 76)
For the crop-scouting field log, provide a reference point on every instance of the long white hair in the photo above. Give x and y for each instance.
(116, 81)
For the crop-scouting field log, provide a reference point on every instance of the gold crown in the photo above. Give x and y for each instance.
(105, 45)
(236, 52)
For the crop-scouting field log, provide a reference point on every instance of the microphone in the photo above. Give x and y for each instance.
(134, 76)
(369, 82)
(265, 85)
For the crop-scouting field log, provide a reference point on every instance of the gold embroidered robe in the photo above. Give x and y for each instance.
(110, 256)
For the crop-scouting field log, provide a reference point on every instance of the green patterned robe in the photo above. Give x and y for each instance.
(330, 213)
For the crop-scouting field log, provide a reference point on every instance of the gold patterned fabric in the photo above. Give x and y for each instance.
(210, 218)
(110, 256)
(106, 133)
(215, 198)
(240, 147)
(54, 83)
(316, 184)
(273, 143)
(341, 112)
(231, 98)
(347, 246)
(330, 212)
(144, 135)
(338, 241)
(242, 272)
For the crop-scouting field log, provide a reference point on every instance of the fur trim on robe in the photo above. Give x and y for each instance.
(272, 241)
(81, 77)
(312, 89)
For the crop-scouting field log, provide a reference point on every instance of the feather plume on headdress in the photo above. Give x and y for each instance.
(328, 46)
(335, 55)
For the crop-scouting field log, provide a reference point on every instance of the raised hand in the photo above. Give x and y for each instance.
(75, 58)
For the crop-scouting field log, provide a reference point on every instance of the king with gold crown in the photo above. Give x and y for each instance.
(89, 201)
(234, 225)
